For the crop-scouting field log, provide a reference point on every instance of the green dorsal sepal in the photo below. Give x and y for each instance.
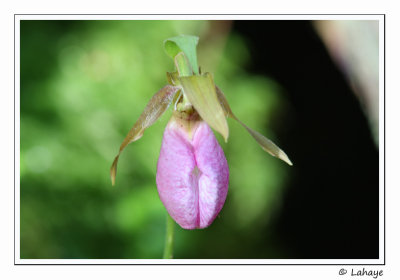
(186, 44)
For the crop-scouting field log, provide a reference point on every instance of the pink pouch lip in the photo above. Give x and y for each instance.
(192, 174)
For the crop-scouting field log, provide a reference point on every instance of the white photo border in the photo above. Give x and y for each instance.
(382, 140)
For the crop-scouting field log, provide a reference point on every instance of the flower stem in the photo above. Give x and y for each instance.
(169, 238)
(184, 69)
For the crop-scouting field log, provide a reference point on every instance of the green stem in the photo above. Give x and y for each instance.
(184, 69)
(182, 65)
(169, 238)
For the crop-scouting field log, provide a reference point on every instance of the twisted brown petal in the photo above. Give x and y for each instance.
(157, 105)
(266, 144)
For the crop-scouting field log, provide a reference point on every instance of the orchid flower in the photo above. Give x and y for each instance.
(192, 171)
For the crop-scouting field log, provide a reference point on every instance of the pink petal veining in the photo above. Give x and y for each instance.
(192, 175)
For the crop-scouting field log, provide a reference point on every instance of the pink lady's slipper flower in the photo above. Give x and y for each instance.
(192, 171)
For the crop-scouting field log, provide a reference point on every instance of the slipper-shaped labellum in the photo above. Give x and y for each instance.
(192, 171)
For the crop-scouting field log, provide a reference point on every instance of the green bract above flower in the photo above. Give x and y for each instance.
(186, 44)
(201, 93)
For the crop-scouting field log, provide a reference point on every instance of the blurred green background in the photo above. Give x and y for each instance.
(83, 85)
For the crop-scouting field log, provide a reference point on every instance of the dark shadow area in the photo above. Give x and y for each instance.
(330, 209)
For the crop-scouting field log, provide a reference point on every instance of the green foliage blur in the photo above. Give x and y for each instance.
(83, 85)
